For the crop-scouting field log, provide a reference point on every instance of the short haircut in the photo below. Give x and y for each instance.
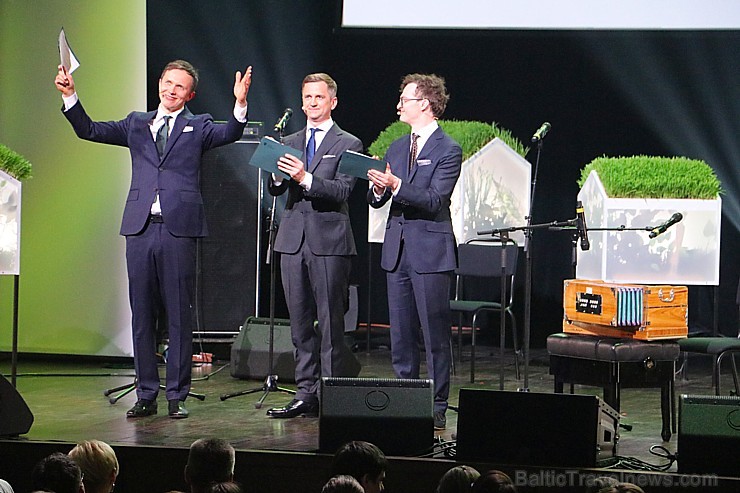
(58, 473)
(211, 460)
(342, 484)
(431, 87)
(457, 480)
(493, 481)
(97, 460)
(182, 65)
(322, 77)
(358, 459)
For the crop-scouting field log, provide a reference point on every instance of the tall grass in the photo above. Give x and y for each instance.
(14, 164)
(654, 177)
(471, 136)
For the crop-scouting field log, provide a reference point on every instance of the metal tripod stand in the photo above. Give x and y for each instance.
(270, 384)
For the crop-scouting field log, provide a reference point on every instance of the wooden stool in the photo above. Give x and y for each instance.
(614, 364)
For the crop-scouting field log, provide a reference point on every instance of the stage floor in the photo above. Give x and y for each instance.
(68, 403)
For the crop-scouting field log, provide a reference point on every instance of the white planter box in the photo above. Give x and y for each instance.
(492, 192)
(10, 224)
(687, 253)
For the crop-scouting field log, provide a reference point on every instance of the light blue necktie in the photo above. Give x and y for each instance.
(311, 146)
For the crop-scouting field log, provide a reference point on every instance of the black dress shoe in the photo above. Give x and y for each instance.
(143, 407)
(440, 421)
(176, 409)
(295, 408)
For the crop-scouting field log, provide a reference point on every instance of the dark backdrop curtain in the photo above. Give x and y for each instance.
(605, 93)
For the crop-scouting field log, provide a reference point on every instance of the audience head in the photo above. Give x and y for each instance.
(57, 473)
(98, 463)
(492, 482)
(457, 480)
(342, 484)
(600, 482)
(224, 487)
(5, 487)
(622, 488)
(210, 461)
(363, 461)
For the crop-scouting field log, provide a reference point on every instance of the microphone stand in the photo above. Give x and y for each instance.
(270, 384)
(528, 270)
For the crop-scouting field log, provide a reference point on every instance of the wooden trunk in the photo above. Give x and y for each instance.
(625, 310)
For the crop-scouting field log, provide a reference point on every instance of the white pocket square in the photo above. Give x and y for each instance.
(328, 156)
(424, 162)
(187, 129)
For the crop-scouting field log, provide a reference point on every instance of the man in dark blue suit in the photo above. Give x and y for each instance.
(316, 244)
(419, 250)
(163, 217)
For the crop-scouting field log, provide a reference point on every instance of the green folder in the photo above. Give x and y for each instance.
(267, 154)
(356, 164)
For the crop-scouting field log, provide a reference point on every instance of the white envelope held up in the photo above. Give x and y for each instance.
(68, 59)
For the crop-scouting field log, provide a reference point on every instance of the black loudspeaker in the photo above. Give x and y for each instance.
(15, 416)
(227, 257)
(709, 435)
(394, 414)
(528, 428)
(250, 350)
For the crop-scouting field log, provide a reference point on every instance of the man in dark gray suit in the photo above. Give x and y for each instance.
(419, 249)
(316, 244)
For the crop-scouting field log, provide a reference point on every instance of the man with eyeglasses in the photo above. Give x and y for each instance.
(419, 250)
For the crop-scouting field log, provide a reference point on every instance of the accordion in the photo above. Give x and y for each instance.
(625, 310)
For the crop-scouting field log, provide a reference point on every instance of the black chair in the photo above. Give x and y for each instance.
(483, 259)
(718, 347)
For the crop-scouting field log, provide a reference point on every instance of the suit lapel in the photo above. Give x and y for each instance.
(180, 122)
(143, 130)
(428, 149)
(331, 138)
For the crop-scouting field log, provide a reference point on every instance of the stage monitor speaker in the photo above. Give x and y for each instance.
(15, 416)
(528, 428)
(394, 414)
(250, 352)
(709, 435)
(228, 256)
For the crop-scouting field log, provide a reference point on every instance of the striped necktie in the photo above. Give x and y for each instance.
(414, 148)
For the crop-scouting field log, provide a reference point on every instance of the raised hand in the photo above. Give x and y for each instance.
(64, 81)
(241, 86)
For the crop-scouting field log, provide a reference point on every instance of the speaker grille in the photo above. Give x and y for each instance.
(394, 414)
(709, 435)
(228, 255)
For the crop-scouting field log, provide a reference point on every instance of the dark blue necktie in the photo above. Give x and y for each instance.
(311, 146)
(162, 135)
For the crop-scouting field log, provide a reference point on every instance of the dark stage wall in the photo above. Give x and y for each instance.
(605, 93)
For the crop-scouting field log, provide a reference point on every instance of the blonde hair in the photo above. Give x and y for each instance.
(98, 463)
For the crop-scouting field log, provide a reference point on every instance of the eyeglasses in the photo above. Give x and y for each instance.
(402, 100)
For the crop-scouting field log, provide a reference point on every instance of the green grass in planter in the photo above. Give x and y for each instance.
(14, 164)
(654, 177)
(471, 136)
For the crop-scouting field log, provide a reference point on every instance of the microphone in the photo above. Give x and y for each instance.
(283, 121)
(541, 132)
(581, 226)
(675, 218)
